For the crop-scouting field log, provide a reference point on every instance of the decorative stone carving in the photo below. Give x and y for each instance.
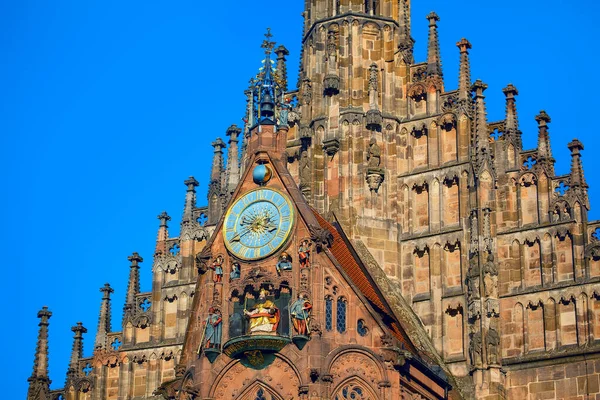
(306, 91)
(203, 260)
(321, 237)
(472, 280)
(374, 154)
(374, 119)
(331, 146)
(331, 85)
(375, 179)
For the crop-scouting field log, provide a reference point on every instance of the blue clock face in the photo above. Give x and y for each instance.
(258, 224)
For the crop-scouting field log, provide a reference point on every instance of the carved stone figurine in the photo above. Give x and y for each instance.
(300, 312)
(217, 267)
(264, 316)
(284, 112)
(214, 329)
(235, 271)
(304, 168)
(492, 342)
(490, 280)
(475, 349)
(374, 155)
(284, 263)
(473, 279)
(304, 254)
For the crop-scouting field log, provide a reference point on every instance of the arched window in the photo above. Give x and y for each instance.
(361, 327)
(341, 315)
(329, 313)
(352, 391)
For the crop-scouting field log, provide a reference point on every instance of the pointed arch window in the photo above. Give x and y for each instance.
(352, 391)
(328, 314)
(341, 315)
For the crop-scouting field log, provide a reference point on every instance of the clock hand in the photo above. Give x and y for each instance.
(238, 237)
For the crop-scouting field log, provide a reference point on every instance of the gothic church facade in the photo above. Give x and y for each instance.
(427, 255)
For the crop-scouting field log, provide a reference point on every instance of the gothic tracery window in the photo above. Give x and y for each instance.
(352, 391)
(341, 315)
(328, 313)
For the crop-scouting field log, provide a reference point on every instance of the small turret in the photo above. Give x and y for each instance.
(76, 353)
(133, 286)
(434, 61)
(163, 233)
(104, 319)
(464, 74)
(544, 151)
(39, 381)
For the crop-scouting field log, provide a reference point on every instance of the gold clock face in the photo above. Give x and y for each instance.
(258, 224)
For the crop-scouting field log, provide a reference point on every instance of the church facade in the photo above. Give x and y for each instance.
(371, 236)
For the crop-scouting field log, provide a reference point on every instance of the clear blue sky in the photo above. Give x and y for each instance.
(108, 106)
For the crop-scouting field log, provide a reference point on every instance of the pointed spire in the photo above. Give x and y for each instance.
(434, 61)
(133, 287)
(104, 320)
(233, 160)
(39, 382)
(163, 233)
(511, 124)
(190, 199)
(404, 20)
(76, 353)
(281, 53)
(544, 150)
(267, 84)
(464, 74)
(481, 128)
(577, 180)
(217, 165)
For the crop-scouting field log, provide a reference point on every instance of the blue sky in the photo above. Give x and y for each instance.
(108, 106)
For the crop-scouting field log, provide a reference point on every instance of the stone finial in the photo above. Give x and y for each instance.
(133, 286)
(104, 319)
(39, 381)
(217, 166)
(511, 122)
(163, 233)
(76, 352)
(577, 180)
(544, 149)
(464, 74)
(434, 62)
(190, 199)
(164, 219)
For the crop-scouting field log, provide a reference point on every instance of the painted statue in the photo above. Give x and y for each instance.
(284, 263)
(214, 329)
(304, 254)
(235, 271)
(300, 312)
(284, 112)
(264, 317)
(217, 267)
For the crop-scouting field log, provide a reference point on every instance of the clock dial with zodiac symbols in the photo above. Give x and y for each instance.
(258, 224)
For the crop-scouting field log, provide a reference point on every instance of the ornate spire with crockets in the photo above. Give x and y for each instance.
(190, 199)
(232, 175)
(281, 53)
(511, 124)
(163, 233)
(464, 73)
(434, 62)
(482, 150)
(133, 287)
(104, 325)
(39, 381)
(216, 186)
(267, 83)
(544, 151)
(76, 353)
